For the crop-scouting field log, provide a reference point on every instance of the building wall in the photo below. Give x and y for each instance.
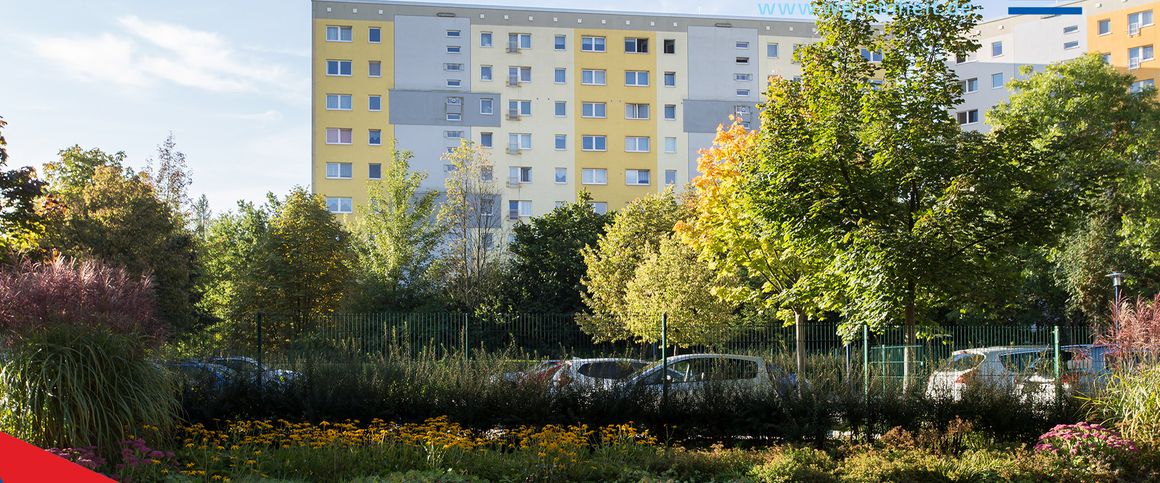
(1117, 42)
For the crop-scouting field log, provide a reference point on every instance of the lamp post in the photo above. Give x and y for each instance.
(1117, 281)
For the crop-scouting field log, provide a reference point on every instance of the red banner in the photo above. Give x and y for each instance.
(21, 462)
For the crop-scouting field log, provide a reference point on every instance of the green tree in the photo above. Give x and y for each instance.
(237, 258)
(116, 217)
(396, 238)
(75, 168)
(634, 235)
(171, 176)
(546, 264)
(20, 224)
(470, 263)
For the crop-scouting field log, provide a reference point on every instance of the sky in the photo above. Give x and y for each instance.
(230, 80)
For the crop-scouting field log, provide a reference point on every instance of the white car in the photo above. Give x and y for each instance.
(602, 373)
(690, 373)
(249, 368)
(1028, 371)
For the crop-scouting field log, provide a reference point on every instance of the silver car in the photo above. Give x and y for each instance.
(691, 373)
(601, 373)
(1027, 371)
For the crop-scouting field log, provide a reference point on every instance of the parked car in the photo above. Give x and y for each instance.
(195, 374)
(1028, 371)
(693, 372)
(249, 368)
(538, 371)
(602, 373)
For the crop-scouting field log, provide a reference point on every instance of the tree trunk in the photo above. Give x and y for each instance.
(800, 345)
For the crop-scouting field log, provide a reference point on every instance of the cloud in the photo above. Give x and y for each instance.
(148, 53)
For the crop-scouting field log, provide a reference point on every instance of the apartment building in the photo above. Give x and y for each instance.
(616, 104)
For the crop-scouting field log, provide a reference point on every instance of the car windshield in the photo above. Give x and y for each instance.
(964, 362)
(611, 369)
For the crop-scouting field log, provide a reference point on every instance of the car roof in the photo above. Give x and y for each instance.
(606, 359)
(1001, 350)
(685, 357)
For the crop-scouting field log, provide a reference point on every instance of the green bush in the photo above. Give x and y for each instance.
(1131, 398)
(70, 387)
(865, 464)
(796, 464)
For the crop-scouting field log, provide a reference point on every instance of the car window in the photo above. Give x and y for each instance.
(1020, 362)
(720, 369)
(610, 369)
(964, 362)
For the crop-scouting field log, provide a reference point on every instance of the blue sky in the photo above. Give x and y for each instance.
(229, 78)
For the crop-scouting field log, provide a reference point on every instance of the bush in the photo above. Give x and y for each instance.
(70, 387)
(1086, 445)
(796, 464)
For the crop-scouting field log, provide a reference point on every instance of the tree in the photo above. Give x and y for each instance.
(310, 263)
(546, 264)
(116, 217)
(470, 261)
(674, 281)
(202, 218)
(171, 177)
(635, 234)
(237, 257)
(75, 169)
(20, 225)
(396, 237)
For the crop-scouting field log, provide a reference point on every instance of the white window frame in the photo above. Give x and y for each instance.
(584, 142)
(601, 106)
(588, 43)
(596, 176)
(338, 100)
(632, 177)
(556, 142)
(342, 205)
(454, 117)
(1071, 44)
(370, 138)
(669, 75)
(742, 77)
(454, 49)
(967, 84)
(375, 62)
(522, 106)
(633, 110)
(454, 34)
(490, 73)
(454, 83)
(339, 29)
(558, 179)
(741, 60)
(558, 111)
(776, 50)
(489, 102)
(742, 44)
(636, 76)
(1107, 22)
(674, 111)
(560, 75)
(521, 73)
(337, 173)
(490, 136)
(338, 65)
(999, 44)
(338, 131)
(632, 144)
(453, 134)
(635, 41)
(370, 105)
(556, 42)
(519, 138)
(670, 145)
(371, 166)
(594, 73)
(743, 92)
(1002, 80)
(520, 174)
(673, 180)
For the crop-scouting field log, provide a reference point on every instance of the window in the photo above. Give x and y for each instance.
(561, 42)
(561, 175)
(1071, 44)
(454, 83)
(520, 107)
(561, 75)
(1140, 85)
(454, 49)
(374, 103)
(968, 117)
(485, 72)
(591, 44)
(670, 46)
(1139, 19)
(670, 177)
(338, 67)
(518, 208)
(338, 205)
(741, 77)
(1139, 54)
(561, 142)
(636, 144)
(1107, 58)
(1104, 26)
(670, 112)
(594, 176)
(517, 74)
(635, 111)
(375, 137)
(561, 108)
(454, 33)
(338, 102)
(600, 207)
(338, 135)
(960, 58)
(771, 50)
(520, 141)
(636, 177)
(638, 78)
(635, 46)
(374, 35)
(970, 85)
(453, 134)
(593, 109)
(670, 79)
(519, 41)
(455, 116)
(338, 171)
(375, 68)
(453, 67)
(486, 139)
(593, 77)
(1071, 29)
(335, 33)
(996, 48)
(375, 171)
(871, 56)
(996, 80)
(485, 39)
(520, 174)
(594, 143)
(742, 92)
(743, 60)
(670, 145)
(486, 106)
(741, 44)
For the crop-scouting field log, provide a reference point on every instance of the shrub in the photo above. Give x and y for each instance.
(1083, 445)
(796, 464)
(865, 464)
(39, 295)
(70, 387)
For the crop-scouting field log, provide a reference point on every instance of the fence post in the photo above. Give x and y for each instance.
(664, 365)
(1055, 350)
(261, 368)
(466, 337)
(866, 361)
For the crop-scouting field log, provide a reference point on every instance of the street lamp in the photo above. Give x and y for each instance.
(1117, 281)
